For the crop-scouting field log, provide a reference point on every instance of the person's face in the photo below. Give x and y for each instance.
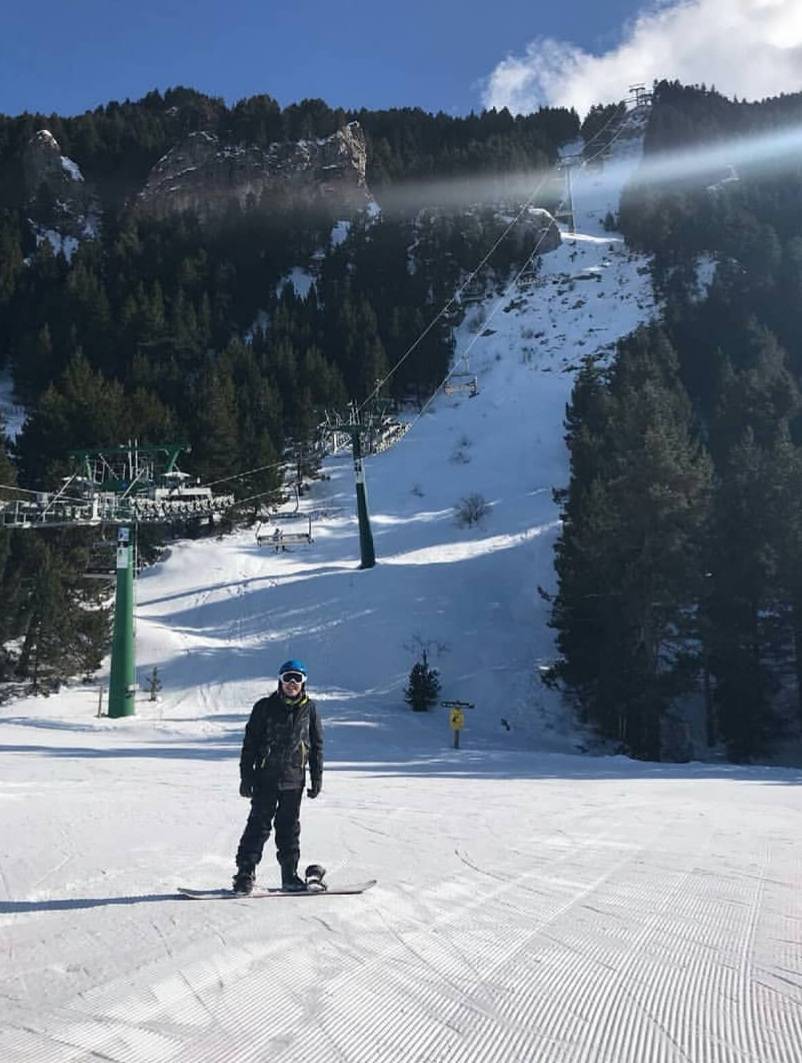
(291, 683)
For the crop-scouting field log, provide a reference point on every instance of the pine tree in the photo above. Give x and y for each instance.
(753, 561)
(423, 688)
(7, 479)
(82, 410)
(629, 559)
(785, 500)
(743, 569)
(215, 446)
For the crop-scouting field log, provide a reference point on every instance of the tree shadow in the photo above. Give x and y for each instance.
(221, 748)
(373, 748)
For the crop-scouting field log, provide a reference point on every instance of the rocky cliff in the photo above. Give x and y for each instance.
(59, 200)
(538, 229)
(204, 175)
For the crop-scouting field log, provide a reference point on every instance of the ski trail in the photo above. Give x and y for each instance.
(620, 935)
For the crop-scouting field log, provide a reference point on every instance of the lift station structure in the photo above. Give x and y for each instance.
(122, 486)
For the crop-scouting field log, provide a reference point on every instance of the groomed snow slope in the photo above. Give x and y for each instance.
(532, 904)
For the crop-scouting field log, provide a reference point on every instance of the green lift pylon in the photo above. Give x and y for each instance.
(122, 680)
(366, 550)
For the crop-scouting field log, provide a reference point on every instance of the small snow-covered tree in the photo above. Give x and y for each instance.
(470, 510)
(423, 688)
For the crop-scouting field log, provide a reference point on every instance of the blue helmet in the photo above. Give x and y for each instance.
(293, 666)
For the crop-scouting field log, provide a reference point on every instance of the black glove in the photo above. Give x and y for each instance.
(315, 787)
(246, 788)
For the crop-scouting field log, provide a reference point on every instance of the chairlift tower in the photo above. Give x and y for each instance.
(367, 553)
(355, 428)
(122, 677)
(639, 97)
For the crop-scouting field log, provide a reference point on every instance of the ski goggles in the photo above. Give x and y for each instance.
(292, 677)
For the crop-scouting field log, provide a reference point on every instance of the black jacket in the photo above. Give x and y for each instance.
(280, 739)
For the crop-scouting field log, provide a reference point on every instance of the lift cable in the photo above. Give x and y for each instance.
(464, 356)
(457, 293)
(613, 117)
(499, 303)
(248, 472)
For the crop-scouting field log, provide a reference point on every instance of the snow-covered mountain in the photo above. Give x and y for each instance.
(532, 904)
(217, 615)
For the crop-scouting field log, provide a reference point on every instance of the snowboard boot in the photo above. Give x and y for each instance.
(290, 881)
(244, 880)
(314, 875)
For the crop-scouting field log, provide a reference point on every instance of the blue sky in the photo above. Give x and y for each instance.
(68, 57)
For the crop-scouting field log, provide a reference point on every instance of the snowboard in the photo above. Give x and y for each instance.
(276, 891)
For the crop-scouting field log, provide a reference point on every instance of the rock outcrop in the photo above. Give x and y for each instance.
(205, 175)
(537, 229)
(58, 198)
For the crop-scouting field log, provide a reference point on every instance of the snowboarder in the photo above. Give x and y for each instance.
(282, 734)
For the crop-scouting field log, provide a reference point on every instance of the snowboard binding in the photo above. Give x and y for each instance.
(314, 876)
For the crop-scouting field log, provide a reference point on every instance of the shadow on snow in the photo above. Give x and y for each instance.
(67, 904)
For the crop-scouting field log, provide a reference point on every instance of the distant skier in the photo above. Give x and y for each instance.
(282, 734)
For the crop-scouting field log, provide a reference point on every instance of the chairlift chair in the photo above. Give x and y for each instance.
(528, 278)
(462, 384)
(280, 537)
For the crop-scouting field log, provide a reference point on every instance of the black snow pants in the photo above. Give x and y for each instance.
(273, 808)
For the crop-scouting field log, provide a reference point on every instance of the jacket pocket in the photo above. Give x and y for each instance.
(299, 757)
(264, 758)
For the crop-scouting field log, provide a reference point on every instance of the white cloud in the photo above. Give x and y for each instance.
(748, 48)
